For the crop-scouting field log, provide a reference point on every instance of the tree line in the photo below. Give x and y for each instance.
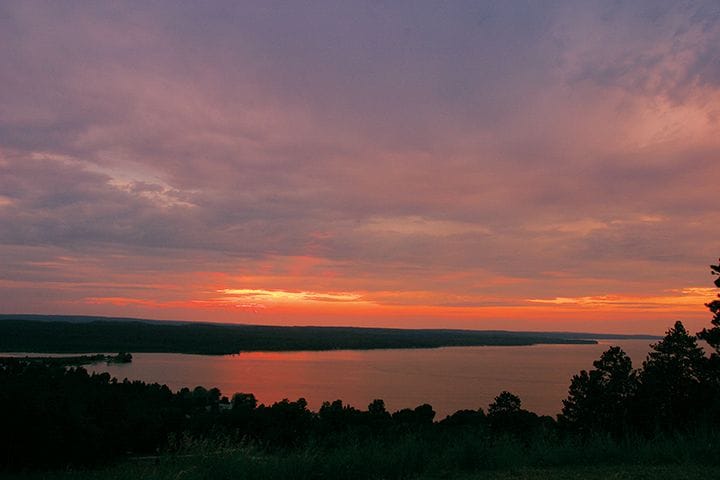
(676, 389)
(53, 415)
(58, 334)
(57, 416)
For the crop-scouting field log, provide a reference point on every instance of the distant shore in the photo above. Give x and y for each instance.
(64, 334)
(69, 361)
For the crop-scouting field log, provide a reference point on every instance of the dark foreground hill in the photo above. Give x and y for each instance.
(64, 334)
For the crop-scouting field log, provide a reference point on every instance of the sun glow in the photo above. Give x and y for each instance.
(678, 298)
(259, 297)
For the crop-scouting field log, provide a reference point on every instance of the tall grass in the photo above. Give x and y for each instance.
(408, 456)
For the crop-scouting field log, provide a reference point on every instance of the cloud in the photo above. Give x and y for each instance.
(682, 299)
(659, 49)
(438, 148)
(261, 297)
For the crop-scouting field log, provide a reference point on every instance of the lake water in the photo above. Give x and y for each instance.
(450, 379)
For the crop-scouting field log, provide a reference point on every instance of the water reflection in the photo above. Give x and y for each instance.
(450, 379)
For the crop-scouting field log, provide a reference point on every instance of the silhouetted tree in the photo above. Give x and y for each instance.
(712, 364)
(284, 423)
(599, 400)
(420, 415)
(465, 418)
(505, 403)
(671, 393)
(506, 415)
(712, 336)
(241, 412)
(336, 417)
(378, 417)
(377, 408)
(245, 402)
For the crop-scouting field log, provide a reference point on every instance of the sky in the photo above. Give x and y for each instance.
(512, 165)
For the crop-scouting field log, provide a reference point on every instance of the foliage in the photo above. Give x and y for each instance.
(712, 335)
(21, 335)
(676, 389)
(672, 392)
(600, 400)
(505, 415)
(58, 416)
(504, 404)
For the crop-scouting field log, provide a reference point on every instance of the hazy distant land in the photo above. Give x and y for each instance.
(78, 334)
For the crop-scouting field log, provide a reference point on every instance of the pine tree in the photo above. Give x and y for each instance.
(712, 336)
(599, 400)
(671, 389)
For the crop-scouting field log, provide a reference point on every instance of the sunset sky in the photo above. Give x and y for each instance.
(488, 165)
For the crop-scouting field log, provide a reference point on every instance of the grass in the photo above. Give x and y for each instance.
(621, 472)
(463, 456)
(236, 471)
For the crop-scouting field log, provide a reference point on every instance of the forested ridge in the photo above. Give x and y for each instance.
(23, 335)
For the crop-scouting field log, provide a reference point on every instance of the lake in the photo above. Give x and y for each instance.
(449, 378)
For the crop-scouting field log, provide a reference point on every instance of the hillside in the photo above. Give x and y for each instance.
(63, 334)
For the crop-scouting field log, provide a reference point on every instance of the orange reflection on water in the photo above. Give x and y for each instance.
(449, 379)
